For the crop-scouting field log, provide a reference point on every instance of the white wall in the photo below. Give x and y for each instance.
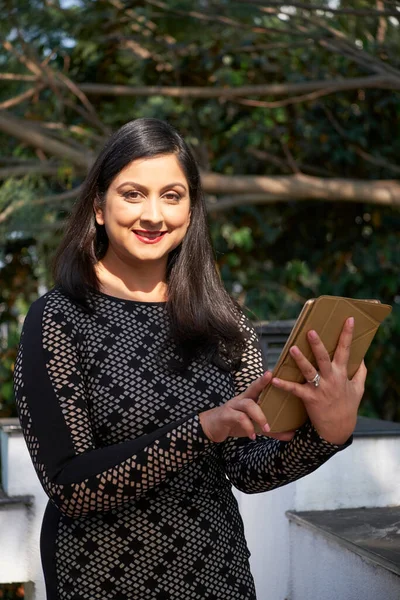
(19, 525)
(323, 569)
(365, 474)
(14, 524)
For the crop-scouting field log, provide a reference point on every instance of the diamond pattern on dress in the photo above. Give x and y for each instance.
(162, 523)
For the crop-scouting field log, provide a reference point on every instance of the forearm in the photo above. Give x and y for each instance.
(266, 464)
(104, 478)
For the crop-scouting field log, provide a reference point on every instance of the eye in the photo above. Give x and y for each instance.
(172, 196)
(132, 195)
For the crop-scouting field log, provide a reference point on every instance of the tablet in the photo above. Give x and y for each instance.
(326, 315)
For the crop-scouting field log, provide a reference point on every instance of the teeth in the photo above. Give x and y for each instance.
(151, 236)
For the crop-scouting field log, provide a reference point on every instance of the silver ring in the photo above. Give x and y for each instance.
(316, 380)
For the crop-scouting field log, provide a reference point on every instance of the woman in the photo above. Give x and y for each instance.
(136, 381)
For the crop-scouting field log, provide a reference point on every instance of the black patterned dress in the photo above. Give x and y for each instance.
(141, 506)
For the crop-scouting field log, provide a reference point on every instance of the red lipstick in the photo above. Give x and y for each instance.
(149, 237)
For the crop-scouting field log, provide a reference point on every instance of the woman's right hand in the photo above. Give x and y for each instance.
(236, 417)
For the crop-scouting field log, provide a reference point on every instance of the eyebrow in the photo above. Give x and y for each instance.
(144, 189)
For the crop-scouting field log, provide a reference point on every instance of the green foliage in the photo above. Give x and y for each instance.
(271, 257)
(317, 249)
(18, 288)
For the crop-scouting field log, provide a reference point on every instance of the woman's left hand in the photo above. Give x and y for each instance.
(333, 405)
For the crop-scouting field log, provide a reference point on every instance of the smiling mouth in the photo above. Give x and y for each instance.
(149, 236)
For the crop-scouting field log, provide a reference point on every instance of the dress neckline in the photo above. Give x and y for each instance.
(128, 300)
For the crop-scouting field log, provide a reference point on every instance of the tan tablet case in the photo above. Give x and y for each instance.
(327, 315)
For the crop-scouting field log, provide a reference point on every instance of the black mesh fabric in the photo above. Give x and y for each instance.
(140, 501)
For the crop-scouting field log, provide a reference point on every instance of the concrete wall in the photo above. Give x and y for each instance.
(15, 522)
(20, 525)
(365, 474)
(323, 569)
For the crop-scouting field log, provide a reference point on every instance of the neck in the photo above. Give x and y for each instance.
(145, 282)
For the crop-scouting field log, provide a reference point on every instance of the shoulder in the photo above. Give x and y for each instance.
(37, 307)
(246, 325)
(53, 305)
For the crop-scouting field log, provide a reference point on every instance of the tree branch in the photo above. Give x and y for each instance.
(20, 98)
(45, 74)
(360, 12)
(27, 133)
(17, 77)
(213, 18)
(39, 168)
(303, 187)
(236, 200)
(52, 199)
(272, 89)
(382, 25)
(76, 129)
(287, 101)
(262, 155)
(375, 160)
(290, 158)
(337, 41)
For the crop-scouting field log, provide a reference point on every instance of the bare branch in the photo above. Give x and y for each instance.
(382, 25)
(262, 155)
(20, 98)
(25, 132)
(17, 77)
(360, 12)
(213, 18)
(27, 62)
(287, 101)
(336, 41)
(290, 158)
(85, 101)
(76, 129)
(273, 89)
(17, 161)
(141, 20)
(227, 202)
(46, 74)
(375, 160)
(52, 199)
(136, 23)
(304, 187)
(266, 47)
(39, 168)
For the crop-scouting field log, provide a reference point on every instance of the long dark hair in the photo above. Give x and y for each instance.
(203, 318)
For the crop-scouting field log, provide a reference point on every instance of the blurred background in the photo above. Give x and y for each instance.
(292, 110)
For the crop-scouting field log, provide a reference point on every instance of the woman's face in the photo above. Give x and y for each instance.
(147, 209)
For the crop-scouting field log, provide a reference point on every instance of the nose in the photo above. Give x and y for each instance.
(151, 212)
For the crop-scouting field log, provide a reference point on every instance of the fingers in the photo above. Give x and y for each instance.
(342, 352)
(360, 376)
(257, 386)
(236, 417)
(320, 353)
(300, 390)
(304, 365)
(252, 410)
(244, 425)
